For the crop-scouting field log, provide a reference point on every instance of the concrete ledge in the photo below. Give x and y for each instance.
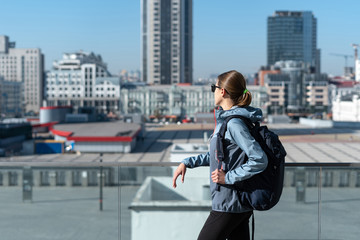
(346, 124)
(318, 123)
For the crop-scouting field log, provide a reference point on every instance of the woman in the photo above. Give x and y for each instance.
(228, 218)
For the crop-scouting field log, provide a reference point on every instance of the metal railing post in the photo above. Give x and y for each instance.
(101, 184)
(319, 203)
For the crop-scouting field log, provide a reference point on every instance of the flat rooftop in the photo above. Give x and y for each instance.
(97, 129)
(303, 144)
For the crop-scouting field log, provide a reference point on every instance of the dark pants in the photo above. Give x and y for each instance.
(224, 225)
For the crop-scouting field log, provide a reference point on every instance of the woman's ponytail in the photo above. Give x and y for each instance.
(235, 85)
(244, 100)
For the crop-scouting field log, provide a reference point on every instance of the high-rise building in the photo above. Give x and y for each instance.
(26, 66)
(166, 33)
(82, 80)
(292, 36)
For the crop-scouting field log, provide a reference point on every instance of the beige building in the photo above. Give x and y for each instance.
(26, 66)
(317, 93)
(295, 91)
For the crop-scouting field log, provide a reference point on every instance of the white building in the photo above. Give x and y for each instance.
(176, 100)
(166, 28)
(82, 80)
(26, 66)
(347, 108)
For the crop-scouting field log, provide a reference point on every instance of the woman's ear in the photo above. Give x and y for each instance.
(223, 92)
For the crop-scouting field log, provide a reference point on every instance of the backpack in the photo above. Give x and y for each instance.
(263, 190)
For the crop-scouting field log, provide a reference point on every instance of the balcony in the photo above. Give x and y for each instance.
(54, 200)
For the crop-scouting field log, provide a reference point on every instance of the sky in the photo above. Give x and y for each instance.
(227, 34)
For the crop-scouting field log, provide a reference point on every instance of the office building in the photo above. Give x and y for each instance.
(166, 35)
(82, 80)
(25, 65)
(292, 36)
(11, 98)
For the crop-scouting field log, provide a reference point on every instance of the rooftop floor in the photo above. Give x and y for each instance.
(302, 143)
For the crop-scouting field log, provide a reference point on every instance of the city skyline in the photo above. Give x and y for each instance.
(227, 34)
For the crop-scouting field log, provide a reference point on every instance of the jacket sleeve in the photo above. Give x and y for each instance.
(257, 159)
(196, 161)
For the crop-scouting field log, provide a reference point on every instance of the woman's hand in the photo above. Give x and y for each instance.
(181, 170)
(218, 176)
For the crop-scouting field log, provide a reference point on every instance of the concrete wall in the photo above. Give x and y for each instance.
(317, 123)
(54, 114)
(157, 205)
(115, 147)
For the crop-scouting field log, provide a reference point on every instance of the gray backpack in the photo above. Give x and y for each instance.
(262, 191)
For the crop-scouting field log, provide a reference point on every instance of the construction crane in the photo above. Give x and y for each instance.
(342, 55)
(355, 46)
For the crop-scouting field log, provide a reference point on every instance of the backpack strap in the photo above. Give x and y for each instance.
(253, 226)
(221, 136)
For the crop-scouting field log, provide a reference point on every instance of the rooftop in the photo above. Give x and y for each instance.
(107, 129)
(302, 143)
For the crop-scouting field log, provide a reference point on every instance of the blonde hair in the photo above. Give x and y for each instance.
(235, 85)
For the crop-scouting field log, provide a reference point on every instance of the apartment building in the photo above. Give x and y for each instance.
(81, 79)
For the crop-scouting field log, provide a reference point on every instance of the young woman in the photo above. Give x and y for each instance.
(228, 218)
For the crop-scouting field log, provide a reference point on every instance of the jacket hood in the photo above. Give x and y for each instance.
(254, 114)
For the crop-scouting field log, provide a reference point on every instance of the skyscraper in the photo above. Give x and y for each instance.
(26, 66)
(166, 28)
(292, 36)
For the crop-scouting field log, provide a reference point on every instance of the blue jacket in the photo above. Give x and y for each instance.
(240, 142)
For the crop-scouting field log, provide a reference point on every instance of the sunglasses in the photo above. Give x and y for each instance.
(213, 87)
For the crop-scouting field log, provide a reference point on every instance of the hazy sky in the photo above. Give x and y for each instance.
(227, 34)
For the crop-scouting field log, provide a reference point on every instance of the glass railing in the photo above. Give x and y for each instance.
(136, 201)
